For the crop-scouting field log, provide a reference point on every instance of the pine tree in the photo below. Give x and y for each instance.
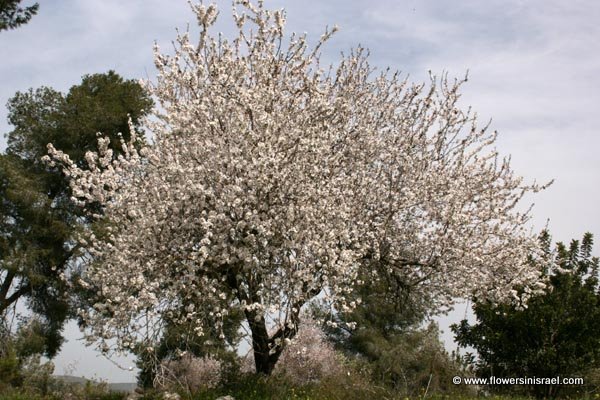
(13, 16)
(38, 220)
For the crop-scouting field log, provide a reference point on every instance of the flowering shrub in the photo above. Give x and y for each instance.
(189, 372)
(309, 357)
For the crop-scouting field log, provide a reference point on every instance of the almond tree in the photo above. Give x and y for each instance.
(272, 180)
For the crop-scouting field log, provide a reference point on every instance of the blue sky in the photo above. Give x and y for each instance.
(533, 69)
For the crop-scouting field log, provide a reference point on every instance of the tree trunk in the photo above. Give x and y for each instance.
(267, 350)
(266, 353)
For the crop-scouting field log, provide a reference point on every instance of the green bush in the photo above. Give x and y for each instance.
(555, 335)
(9, 370)
(21, 396)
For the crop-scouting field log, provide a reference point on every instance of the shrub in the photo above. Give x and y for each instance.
(20, 359)
(309, 357)
(555, 335)
(190, 373)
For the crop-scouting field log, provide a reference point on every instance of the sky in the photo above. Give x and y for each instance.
(533, 70)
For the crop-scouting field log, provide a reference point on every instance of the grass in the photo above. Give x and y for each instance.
(253, 387)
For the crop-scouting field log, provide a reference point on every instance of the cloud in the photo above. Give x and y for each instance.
(533, 68)
(70, 38)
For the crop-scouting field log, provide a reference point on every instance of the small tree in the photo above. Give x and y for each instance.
(271, 181)
(556, 335)
(385, 307)
(412, 362)
(20, 355)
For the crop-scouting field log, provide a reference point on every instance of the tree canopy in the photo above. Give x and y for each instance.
(37, 219)
(34, 248)
(272, 180)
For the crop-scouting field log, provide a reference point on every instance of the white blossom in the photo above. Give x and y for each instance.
(271, 180)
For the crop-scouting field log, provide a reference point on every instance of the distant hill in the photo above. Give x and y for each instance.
(72, 379)
(128, 387)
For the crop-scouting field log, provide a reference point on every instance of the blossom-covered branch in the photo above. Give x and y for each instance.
(272, 180)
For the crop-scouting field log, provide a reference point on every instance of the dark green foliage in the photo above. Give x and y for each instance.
(397, 353)
(9, 368)
(411, 362)
(38, 222)
(386, 306)
(101, 103)
(387, 303)
(33, 249)
(12, 16)
(558, 334)
(20, 357)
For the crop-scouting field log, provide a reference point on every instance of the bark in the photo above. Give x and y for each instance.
(267, 350)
